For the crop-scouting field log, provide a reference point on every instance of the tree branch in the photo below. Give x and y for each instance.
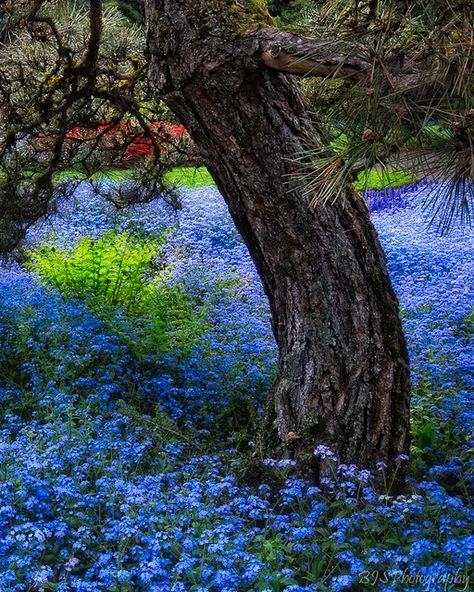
(296, 54)
(300, 55)
(96, 26)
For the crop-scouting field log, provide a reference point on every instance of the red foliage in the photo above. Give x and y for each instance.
(165, 134)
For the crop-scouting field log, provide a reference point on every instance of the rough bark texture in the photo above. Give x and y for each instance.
(343, 375)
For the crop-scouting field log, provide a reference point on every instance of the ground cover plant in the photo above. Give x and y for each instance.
(136, 354)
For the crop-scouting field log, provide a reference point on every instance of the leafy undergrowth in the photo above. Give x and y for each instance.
(136, 353)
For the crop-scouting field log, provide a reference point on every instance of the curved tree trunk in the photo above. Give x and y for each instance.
(343, 377)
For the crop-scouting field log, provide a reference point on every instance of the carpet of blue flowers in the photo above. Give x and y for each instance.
(130, 388)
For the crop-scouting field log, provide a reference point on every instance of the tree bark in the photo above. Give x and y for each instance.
(343, 378)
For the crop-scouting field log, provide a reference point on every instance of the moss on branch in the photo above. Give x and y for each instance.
(230, 16)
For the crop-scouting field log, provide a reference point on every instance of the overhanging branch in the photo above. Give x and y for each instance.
(299, 55)
(303, 56)
(279, 59)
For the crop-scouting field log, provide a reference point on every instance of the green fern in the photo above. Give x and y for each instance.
(116, 269)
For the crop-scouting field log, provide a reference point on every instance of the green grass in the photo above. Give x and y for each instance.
(106, 175)
(198, 177)
(195, 177)
(381, 179)
(190, 177)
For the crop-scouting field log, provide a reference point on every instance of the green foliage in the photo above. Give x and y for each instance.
(115, 269)
(435, 438)
(176, 320)
(423, 425)
(131, 9)
(121, 270)
(176, 314)
(288, 12)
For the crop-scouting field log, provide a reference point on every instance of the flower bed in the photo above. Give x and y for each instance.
(117, 469)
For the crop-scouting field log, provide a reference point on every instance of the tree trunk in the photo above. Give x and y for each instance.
(343, 378)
